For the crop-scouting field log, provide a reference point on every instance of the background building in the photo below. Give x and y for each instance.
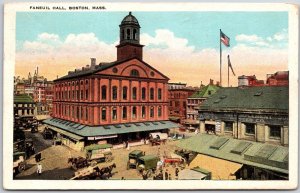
(280, 78)
(178, 94)
(39, 89)
(193, 102)
(24, 105)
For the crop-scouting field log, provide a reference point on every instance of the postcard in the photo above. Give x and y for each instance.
(142, 96)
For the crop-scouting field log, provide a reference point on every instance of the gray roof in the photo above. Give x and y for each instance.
(267, 98)
(89, 131)
(262, 155)
(130, 20)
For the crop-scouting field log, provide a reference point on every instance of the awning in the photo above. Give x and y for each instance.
(42, 117)
(210, 122)
(109, 130)
(188, 174)
(220, 169)
(71, 135)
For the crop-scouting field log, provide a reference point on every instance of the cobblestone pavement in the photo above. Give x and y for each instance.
(55, 166)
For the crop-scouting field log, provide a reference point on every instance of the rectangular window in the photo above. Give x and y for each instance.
(250, 128)
(143, 112)
(275, 131)
(228, 126)
(81, 94)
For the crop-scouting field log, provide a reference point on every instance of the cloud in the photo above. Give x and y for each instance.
(278, 40)
(174, 56)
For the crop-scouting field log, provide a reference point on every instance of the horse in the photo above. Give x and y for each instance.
(105, 172)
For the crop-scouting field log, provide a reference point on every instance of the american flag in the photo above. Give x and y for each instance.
(224, 39)
(229, 65)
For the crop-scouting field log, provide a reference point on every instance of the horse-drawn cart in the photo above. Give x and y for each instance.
(94, 172)
(158, 138)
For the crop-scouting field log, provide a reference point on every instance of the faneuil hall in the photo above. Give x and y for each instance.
(112, 102)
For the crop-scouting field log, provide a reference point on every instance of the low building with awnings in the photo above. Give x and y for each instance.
(228, 159)
(77, 135)
(252, 113)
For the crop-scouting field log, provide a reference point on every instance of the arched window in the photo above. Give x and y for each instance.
(143, 93)
(86, 114)
(151, 93)
(115, 92)
(128, 34)
(134, 93)
(125, 92)
(133, 112)
(123, 34)
(114, 113)
(103, 92)
(143, 112)
(151, 112)
(135, 73)
(124, 113)
(135, 34)
(103, 114)
(159, 94)
(159, 112)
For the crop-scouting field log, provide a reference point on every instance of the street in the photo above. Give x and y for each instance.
(55, 166)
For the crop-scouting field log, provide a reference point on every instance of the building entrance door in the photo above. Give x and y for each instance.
(209, 128)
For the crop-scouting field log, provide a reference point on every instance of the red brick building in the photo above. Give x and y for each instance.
(178, 95)
(280, 78)
(123, 99)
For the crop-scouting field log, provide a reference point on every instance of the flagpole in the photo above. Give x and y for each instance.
(220, 60)
(228, 68)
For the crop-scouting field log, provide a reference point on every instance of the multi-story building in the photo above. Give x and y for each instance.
(24, 105)
(112, 102)
(249, 81)
(280, 78)
(178, 94)
(40, 89)
(193, 102)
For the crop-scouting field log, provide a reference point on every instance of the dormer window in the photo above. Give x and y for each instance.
(135, 73)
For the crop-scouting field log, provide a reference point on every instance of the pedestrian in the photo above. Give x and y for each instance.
(39, 169)
(170, 178)
(166, 175)
(176, 172)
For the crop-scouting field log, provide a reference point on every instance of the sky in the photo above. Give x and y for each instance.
(185, 46)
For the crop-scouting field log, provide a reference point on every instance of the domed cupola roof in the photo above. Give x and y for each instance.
(130, 20)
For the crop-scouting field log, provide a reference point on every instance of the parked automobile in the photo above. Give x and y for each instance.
(47, 134)
(147, 163)
(133, 158)
(19, 164)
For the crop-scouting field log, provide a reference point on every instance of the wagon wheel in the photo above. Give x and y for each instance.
(149, 173)
(74, 166)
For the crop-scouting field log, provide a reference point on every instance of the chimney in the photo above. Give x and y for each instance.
(211, 81)
(218, 83)
(93, 62)
(87, 67)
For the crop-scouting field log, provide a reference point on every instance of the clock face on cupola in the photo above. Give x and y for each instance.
(129, 46)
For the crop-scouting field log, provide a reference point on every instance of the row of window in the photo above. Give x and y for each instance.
(275, 130)
(84, 95)
(22, 112)
(24, 105)
(82, 112)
